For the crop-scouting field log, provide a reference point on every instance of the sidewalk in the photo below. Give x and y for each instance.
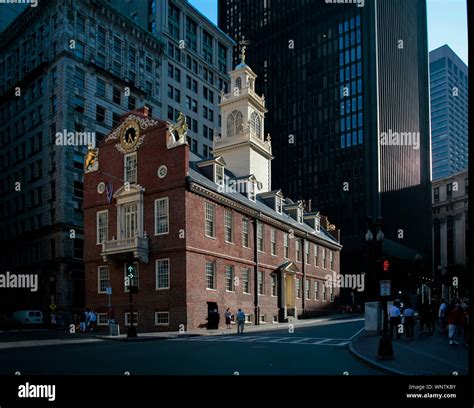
(425, 355)
(250, 328)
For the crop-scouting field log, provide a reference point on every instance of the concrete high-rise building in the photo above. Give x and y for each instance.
(449, 103)
(346, 88)
(67, 68)
(195, 66)
(450, 230)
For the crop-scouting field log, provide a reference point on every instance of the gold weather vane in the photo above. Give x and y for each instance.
(243, 43)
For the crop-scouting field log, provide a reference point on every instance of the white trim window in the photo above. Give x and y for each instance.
(298, 250)
(211, 275)
(298, 288)
(307, 252)
(161, 216)
(278, 204)
(210, 217)
(324, 293)
(324, 258)
(300, 215)
(130, 220)
(331, 260)
(246, 280)
(102, 319)
(248, 318)
(252, 191)
(274, 284)
(135, 319)
(260, 233)
(260, 283)
(135, 281)
(162, 269)
(331, 293)
(229, 278)
(273, 241)
(219, 174)
(162, 318)
(315, 255)
(130, 168)
(316, 290)
(245, 233)
(228, 226)
(102, 226)
(103, 279)
(263, 319)
(308, 289)
(286, 246)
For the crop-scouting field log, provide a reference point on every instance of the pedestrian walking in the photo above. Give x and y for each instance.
(82, 321)
(454, 323)
(442, 316)
(394, 315)
(228, 317)
(409, 322)
(240, 321)
(93, 320)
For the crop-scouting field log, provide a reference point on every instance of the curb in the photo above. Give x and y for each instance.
(374, 362)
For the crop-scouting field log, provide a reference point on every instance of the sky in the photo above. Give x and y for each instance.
(447, 23)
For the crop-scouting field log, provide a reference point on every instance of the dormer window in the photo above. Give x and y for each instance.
(278, 204)
(300, 215)
(219, 174)
(317, 224)
(252, 190)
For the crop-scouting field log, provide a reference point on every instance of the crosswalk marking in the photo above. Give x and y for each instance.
(335, 342)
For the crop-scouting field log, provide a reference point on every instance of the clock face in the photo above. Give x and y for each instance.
(129, 136)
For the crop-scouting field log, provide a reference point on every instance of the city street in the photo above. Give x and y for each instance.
(311, 350)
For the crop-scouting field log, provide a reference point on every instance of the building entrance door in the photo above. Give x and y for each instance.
(212, 316)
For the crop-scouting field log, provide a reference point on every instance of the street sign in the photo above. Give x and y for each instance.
(131, 271)
(385, 287)
(52, 306)
(109, 290)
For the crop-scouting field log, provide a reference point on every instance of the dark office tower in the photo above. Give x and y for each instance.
(350, 85)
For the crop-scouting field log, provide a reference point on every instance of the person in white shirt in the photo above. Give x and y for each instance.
(442, 316)
(394, 316)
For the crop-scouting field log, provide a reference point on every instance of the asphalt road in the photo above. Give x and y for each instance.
(315, 350)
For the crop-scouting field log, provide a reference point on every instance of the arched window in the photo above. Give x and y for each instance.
(255, 128)
(230, 125)
(238, 82)
(235, 123)
(239, 122)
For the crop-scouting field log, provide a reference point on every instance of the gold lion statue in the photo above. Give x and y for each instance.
(90, 159)
(180, 129)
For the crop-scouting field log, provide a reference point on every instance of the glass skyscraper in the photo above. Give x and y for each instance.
(449, 128)
(339, 81)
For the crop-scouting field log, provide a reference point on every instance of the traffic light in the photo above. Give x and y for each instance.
(386, 265)
(131, 272)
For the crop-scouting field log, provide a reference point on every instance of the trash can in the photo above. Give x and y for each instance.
(114, 329)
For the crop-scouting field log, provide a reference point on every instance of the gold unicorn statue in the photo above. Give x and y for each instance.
(180, 129)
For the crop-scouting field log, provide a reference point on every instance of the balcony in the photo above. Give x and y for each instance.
(118, 249)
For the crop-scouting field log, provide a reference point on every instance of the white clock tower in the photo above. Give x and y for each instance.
(243, 145)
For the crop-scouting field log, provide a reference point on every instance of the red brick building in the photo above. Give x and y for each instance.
(187, 224)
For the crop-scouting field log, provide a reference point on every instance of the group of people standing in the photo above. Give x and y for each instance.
(453, 319)
(88, 321)
(240, 319)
